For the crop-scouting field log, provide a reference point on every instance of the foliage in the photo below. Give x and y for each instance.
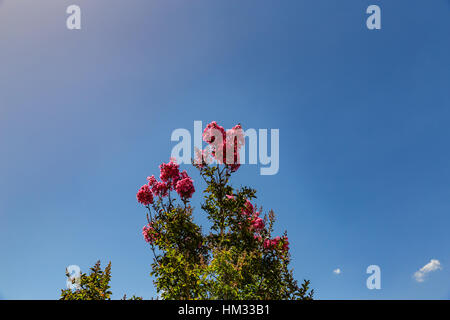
(94, 286)
(237, 258)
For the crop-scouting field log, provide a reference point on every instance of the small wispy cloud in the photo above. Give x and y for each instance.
(337, 271)
(431, 266)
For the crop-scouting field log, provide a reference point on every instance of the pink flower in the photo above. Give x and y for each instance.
(160, 189)
(257, 224)
(274, 243)
(144, 195)
(235, 162)
(169, 173)
(184, 175)
(230, 197)
(225, 145)
(149, 234)
(212, 131)
(185, 188)
(151, 181)
(235, 140)
(248, 208)
(236, 136)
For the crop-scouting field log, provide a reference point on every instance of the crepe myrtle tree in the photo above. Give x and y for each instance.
(238, 257)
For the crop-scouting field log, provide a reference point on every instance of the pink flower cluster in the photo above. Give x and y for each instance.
(274, 243)
(171, 179)
(159, 189)
(149, 234)
(248, 209)
(224, 145)
(169, 173)
(144, 195)
(212, 132)
(256, 223)
(185, 188)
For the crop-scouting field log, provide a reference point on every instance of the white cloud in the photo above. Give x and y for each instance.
(337, 271)
(433, 265)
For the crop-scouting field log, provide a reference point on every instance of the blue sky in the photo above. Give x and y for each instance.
(363, 115)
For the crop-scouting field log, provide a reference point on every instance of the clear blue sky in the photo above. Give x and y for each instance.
(363, 115)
